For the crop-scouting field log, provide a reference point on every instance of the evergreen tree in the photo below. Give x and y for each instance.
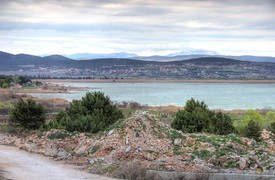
(28, 114)
(196, 117)
(95, 112)
(253, 130)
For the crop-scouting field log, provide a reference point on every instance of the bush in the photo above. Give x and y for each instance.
(28, 114)
(221, 124)
(196, 117)
(93, 113)
(5, 85)
(252, 130)
(272, 127)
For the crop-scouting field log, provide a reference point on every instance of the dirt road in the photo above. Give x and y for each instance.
(21, 165)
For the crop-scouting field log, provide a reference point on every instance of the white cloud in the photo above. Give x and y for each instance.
(146, 27)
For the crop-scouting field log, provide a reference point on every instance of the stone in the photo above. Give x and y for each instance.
(180, 132)
(242, 163)
(150, 157)
(190, 141)
(212, 149)
(91, 161)
(235, 147)
(51, 150)
(62, 153)
(127, 140)
(110, 132)
(128, 149)
(177, 141)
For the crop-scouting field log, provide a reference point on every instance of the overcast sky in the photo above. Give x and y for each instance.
(144, 27)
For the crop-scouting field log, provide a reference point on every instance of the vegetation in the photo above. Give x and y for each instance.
(28, 114)
(6, 81)
(93, 113)
(263, 122)
(196, 117)
(58, 135)
(253, 130)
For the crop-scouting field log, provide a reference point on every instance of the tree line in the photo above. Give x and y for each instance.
(95, 112)
(6, 81)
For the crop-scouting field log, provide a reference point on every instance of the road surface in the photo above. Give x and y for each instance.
(22, 165)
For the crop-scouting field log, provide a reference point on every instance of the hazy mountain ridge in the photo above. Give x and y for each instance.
(191, 51)
(88, 56)
(57, 66)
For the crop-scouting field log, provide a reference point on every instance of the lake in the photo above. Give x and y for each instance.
(226, 96)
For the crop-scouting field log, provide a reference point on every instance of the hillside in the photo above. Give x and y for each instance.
(57, 66)
(154, 145)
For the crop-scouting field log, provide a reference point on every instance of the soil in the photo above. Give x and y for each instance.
(20, 165)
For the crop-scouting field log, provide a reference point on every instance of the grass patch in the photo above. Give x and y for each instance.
(127, 112)
(6, 105)
(232, 164)
(94, 149)
(203, 154)
(173, 134)
(219, 140)
(29, 87)
(58, 135)
(117, 125)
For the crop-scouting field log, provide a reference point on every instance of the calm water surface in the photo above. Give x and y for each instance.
(216, 95)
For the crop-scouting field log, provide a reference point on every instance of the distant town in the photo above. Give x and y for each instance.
(58, 67)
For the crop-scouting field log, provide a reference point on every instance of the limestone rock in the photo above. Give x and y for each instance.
(62, 153)
(128, 149)
(110, 132)
(177, 141)
(243, 163)
(51, 150)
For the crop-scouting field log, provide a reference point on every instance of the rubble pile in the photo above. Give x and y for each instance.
(155, 145)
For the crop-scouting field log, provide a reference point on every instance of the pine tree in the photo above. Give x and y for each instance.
(28, 114)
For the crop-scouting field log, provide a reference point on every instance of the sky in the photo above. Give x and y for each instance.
(144, 27)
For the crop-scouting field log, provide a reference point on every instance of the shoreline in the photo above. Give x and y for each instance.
(157, 81)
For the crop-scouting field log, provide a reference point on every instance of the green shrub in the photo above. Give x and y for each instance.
(272, 127)
(28, 114)
(250, 115)
(94, 149)
(196, 117)
(58, 135)
(221, 124)
(93, 113)
(5, 85)
(252, 130)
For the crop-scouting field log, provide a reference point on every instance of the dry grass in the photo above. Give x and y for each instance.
(131, 171)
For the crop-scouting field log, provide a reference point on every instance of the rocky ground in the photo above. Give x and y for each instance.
(144, 140)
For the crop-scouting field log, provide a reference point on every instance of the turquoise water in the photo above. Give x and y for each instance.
(216, 95)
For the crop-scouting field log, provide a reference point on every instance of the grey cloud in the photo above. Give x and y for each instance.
(144, 22)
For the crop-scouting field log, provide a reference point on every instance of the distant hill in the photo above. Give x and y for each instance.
(89, 56)
(57, 66)
(185, 57)
(56, 57)
(186, 53)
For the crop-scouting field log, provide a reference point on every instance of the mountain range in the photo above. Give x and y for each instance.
(187, 53)
(175, 67)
